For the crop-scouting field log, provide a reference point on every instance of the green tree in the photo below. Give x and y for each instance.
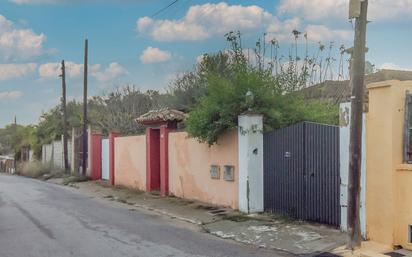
(50, 126)
(14, 137)
(186, 90)
(119, 109)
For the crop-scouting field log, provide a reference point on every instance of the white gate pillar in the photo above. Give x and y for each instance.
(344, 141)
(250, 144)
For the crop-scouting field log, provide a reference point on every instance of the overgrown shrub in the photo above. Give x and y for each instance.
(252, 88)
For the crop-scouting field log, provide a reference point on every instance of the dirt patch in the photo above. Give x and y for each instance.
(237, 217)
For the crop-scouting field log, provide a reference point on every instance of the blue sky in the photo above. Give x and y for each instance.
(128, 46)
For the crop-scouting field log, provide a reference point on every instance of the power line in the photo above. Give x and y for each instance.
(164, 8)
(172, 12)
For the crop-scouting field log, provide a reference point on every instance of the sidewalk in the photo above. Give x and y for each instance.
(267, 231)
(372, 249)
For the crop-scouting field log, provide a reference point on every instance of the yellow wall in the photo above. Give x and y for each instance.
(130, 162)
(388, 181)
(189, 169)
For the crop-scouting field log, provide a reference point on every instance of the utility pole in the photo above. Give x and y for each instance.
(64, 111)
(85, 136)
(15, 153)
(359, 10)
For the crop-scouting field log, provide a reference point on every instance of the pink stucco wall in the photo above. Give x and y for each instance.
(189, 169)
(130, 162)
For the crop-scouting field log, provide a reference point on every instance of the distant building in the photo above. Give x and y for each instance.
(340, 91)
(7, 164)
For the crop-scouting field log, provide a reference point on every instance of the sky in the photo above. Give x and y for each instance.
(131, 43)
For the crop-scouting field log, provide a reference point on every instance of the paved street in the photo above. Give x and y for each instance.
(41, 219)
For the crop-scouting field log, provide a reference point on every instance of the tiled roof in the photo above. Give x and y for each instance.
(162, 115)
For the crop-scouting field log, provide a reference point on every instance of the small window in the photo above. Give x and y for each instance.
(407, 148)
(215, 172)
(229, 173)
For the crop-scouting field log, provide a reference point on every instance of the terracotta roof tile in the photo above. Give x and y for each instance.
(162, 115)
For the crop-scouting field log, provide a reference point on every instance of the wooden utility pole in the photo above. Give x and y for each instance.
(85, 136)
(357, 82)
(64, 111)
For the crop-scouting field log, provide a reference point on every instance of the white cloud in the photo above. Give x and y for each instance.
(53, 70)
(287, 25)
(338, 9)
(49, 70)
(393, 66)
(75, 70)
(322, 33)
(7, 95)
(16, 43)
(203, 21)
(315, 9)
(282, 31)
(113, 71)
(13, 71)
(167, 30)
(154, 55)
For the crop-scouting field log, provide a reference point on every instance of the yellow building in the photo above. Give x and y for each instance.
(389, 176)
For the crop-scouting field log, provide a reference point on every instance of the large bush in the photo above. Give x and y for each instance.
(252, 88)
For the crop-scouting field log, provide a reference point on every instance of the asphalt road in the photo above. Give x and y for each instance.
(45, 220)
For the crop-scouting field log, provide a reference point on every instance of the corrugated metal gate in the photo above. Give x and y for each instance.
(301, 165)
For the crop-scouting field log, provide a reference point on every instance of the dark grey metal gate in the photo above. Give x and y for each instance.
(301, 165)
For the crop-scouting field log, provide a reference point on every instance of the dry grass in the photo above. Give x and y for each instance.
(37, 169)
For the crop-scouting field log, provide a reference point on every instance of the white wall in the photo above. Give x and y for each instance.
(105, 159)
(58, 154)
(250, 134)
(47, 153)
(344, 134)
(53, 153)
(31, 155)
(69, 152)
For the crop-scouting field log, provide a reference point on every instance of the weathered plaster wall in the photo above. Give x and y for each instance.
(189, 169)
(130, 161)
(388, 181)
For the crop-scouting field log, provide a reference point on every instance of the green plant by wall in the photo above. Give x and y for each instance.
(253, 88)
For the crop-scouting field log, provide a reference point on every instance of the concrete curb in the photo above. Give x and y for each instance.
(170, 215)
